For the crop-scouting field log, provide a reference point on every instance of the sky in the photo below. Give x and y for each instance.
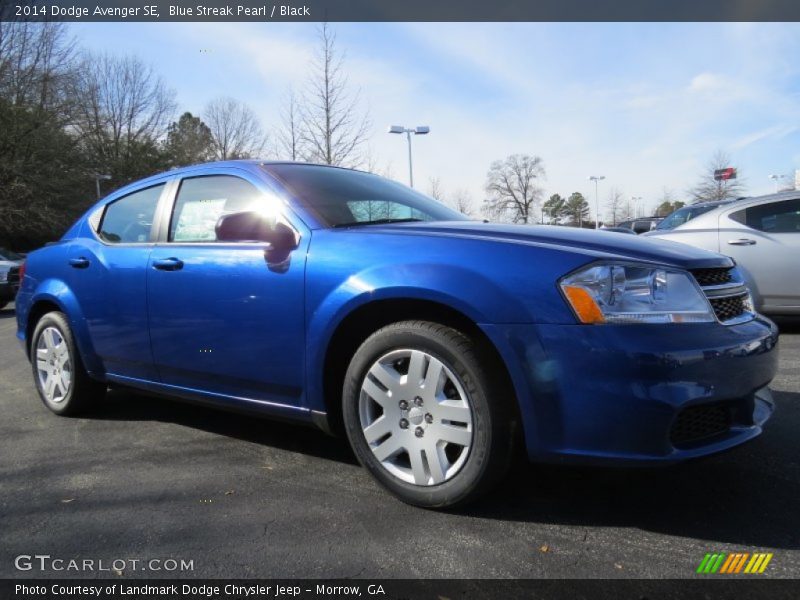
(646, 105)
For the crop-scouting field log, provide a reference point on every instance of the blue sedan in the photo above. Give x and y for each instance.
(438, 345)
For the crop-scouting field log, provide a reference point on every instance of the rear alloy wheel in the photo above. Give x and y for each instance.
(417, 412)
(62, 382)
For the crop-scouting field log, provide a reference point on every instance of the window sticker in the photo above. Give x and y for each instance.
(197, 220)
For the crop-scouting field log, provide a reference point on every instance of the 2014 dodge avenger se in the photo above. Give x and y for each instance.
(438, 344)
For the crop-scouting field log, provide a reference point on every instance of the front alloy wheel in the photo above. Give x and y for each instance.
(416, 417)
(428, 414)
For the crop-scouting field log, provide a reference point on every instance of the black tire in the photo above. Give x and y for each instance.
(491, 403)
(83, 391)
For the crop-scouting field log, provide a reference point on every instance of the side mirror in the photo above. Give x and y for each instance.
(251, 226)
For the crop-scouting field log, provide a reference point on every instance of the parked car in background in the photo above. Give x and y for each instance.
(641, 225)
(436, 344)
(762, 234)
(9, 276)
(687, 213)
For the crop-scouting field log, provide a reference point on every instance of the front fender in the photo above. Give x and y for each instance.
(407, 282)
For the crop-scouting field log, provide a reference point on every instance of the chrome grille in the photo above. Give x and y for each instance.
(729, 308)
(727, 293)
(712, 276)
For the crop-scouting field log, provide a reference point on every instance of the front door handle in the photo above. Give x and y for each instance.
(742, 242)
(168, 264)
(79, 263)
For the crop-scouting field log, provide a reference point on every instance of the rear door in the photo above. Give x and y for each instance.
(764, 239)
(223, 319)
(108, 276)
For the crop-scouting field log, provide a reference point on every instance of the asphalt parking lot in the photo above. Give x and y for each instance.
(147, 478)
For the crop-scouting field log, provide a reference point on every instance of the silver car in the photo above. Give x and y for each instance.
(763, 235)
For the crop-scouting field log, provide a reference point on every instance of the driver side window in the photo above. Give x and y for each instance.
(203, 200)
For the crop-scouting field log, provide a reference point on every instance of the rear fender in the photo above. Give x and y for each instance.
(57, 292)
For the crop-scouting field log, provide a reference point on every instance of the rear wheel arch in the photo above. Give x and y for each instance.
(368, 318)
(39, 309)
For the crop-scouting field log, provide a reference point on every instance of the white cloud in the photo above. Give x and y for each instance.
(708, 82)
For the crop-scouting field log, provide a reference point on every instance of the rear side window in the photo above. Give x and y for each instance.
(129, 219)
(203, 200)
(774, 217)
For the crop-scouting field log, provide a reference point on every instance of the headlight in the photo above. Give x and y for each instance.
(623, 293)
(3, 275)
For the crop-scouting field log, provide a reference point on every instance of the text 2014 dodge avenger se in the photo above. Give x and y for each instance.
(438, 344)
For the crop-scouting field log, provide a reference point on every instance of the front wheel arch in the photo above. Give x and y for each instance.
(368, 318)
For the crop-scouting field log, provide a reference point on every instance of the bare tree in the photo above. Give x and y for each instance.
(462, 201)
(235, 129)
(124, 103)
(290, 135)
(435, 189)
(512, 188)
(37, 66)
(124, 111)
(615, 204)
(708, 188)
(373, 166)
(335, 126)
(43, 181)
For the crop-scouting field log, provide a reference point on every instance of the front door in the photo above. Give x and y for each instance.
(765, 241)
(222, 318)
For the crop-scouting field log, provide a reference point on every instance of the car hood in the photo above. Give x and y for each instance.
(599, 244)
(7, 264)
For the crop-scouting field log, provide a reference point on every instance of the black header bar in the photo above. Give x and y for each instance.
(401, 10)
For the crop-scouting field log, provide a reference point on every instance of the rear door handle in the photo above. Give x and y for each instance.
(168, 264)
(742, 242)
(79, 263)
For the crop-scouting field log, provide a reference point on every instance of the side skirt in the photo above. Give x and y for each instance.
(250, 406)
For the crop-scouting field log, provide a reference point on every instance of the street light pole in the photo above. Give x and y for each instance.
(597, 179)
(636, 200)
(419, 130)
(410, 164)
(97, 178)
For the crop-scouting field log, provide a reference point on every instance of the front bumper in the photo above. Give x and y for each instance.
(598, 394)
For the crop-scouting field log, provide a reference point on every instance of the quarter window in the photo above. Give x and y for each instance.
(774, 217)
(203, 200)
(129, 219)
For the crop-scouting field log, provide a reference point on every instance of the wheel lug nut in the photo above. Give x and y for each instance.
(419, 432)
(418, 401)
(403, 405)
(403, 423)
(428, 418)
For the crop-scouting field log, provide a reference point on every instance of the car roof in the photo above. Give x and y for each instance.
(712, 203)
(249, 164)
(710, 217)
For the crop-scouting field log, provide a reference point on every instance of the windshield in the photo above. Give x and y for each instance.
(681, 216)
(344, 198)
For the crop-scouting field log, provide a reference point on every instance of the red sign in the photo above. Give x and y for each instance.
(725, 174)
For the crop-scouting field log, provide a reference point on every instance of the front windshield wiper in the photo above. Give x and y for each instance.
(377, 222)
